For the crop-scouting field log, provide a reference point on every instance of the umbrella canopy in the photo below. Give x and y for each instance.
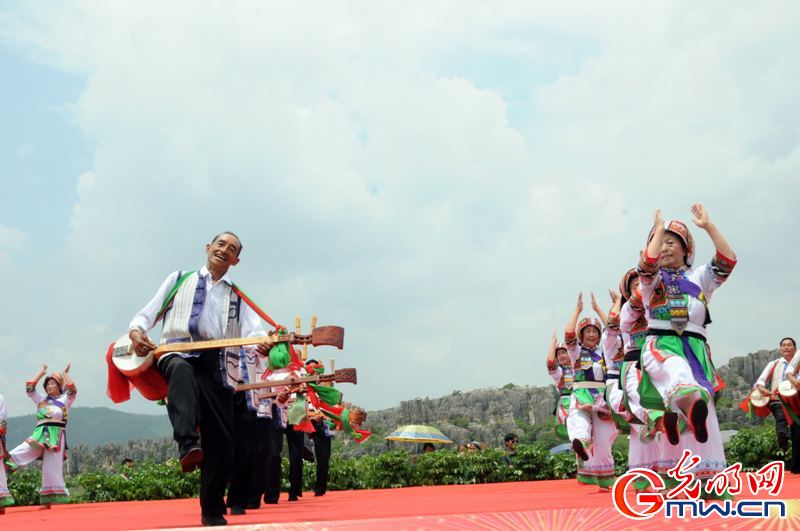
(561, 448)
(416, 433)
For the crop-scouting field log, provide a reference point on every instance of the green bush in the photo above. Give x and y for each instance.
(486, 466)
(147, 481)
(387, 470)
(343, 474)
(442, 467)
(24, 486)
(533, 463)
(563, 466)
(755, 447)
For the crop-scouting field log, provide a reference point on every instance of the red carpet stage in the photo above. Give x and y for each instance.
(531, 505)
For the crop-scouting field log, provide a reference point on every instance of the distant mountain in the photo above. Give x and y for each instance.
(94, 426)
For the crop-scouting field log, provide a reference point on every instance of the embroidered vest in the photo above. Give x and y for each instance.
(586, 362)
(567, 379)
(670, 301)
(181, 319)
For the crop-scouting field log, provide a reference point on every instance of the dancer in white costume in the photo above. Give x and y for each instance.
(679, 375)
(613, 355)
(589, 423)
(646, 449)
(560, 369)
(5, 496)
(49, 439)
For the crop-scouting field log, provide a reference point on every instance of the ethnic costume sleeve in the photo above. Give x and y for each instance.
(555, 372)
(70, 394)
(648, 275)
(573, 349)
(145, 319)
(610, 341)
(33, 394)
(712, 275)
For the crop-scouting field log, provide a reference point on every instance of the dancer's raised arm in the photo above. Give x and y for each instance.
(654, 246)
(599, 311)
(573, 321)
(701, 219)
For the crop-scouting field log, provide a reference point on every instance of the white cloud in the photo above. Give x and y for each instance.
(11, 239)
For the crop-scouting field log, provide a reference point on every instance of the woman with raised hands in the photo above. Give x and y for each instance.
(589, 424)
(679, 376)
(49, 438)
(560, 369)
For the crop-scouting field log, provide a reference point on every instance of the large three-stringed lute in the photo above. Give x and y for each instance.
(130, 364)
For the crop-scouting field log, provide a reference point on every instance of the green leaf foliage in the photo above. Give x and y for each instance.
(753, 447)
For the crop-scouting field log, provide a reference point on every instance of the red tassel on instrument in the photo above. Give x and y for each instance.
(150, 383)
(119, 387)
(745, 405)
(305, 426)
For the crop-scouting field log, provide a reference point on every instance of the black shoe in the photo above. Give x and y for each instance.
(208, 520)
(237, 510)
(670, 421)
(270, 501)
(783, 441)
(191, 459)
(697, 417)
(319, 493)
(292, 497)
(577, 445)
(253, 505)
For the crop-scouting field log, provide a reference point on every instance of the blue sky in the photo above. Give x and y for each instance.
(439, 178)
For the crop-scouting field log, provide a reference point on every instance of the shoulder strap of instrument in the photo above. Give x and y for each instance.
(771, 372)
(261, 313)
(295, 362)
(168, 301)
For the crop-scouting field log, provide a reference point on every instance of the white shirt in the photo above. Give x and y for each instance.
(210, 324)
(778, 375)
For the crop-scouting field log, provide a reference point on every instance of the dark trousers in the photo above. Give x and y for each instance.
(781, 426)
(794, 462)
(196, 398)
(244, 452)
(295, 441)
(267, 467)
(322, 455)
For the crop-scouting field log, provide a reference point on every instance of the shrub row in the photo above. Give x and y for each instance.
(753, 447)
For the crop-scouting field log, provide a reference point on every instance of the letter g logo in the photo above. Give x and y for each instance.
(655, 501)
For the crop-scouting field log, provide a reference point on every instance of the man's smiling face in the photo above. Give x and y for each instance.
(223, 252)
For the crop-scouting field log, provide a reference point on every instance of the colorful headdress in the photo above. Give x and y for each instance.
(679, 228)
(589, 321)
(58, 377)
(625, 283)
